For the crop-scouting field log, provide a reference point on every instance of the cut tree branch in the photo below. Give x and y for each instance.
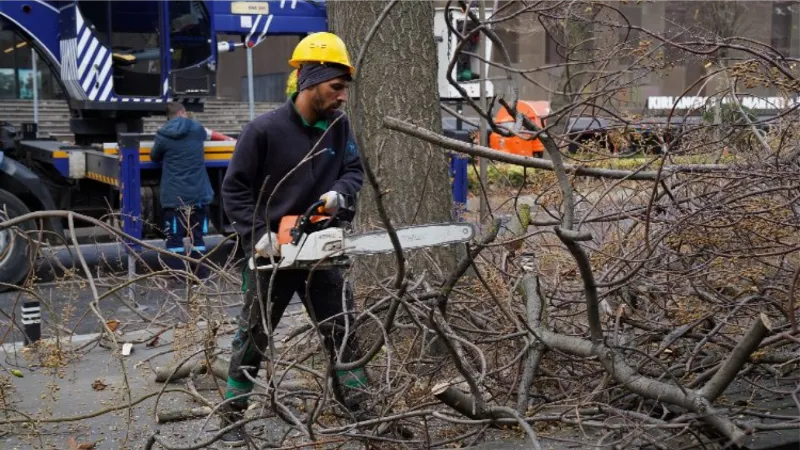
(538, 163)
(737, 358)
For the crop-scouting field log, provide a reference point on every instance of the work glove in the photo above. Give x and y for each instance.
(268, 245)
(333, 201)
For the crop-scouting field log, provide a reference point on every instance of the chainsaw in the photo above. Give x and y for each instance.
(315, 240)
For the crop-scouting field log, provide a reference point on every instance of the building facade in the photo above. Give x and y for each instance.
(270, 70)
(530, 46)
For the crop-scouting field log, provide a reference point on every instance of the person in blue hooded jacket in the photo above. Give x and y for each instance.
(185, 188)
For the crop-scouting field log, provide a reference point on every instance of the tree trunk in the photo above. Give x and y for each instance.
(398, 77)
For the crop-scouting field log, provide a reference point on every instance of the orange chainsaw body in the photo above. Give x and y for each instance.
(288, 223)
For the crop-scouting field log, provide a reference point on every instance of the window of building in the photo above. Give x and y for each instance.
(628, 38)
(8, 64)
(694, 70)
(676, 27)
(781, 39)
(553, 46)
(16, 69)
(510, 40)
(578, 43)
(508, 21)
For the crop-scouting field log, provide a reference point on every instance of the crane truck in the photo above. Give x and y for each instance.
(118, 62)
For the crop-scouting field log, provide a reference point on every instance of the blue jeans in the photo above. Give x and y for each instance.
(191, 222)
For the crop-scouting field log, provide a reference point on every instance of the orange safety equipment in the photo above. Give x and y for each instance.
(521, 144)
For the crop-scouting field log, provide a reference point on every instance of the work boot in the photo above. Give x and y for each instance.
(349, 388)
(359, 405)
(357, 402)
(235, 436)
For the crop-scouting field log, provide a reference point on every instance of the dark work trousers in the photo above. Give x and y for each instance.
(250, 343)
(191, 222)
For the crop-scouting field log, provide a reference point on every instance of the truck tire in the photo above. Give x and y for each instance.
(14, 261)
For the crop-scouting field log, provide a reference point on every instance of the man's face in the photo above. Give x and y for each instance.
(330, 96)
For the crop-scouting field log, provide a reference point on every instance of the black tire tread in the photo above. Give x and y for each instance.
(17, 267)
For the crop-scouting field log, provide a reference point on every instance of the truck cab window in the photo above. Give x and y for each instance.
(189, 33)
(131, 30)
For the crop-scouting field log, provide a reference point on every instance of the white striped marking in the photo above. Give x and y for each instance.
(53, 8)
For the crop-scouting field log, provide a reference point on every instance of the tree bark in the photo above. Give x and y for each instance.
(398, 77)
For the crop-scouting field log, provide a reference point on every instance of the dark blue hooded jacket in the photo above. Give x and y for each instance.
(274, 147)
(178, 145)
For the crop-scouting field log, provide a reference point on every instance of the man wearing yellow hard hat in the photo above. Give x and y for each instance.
(270, 152)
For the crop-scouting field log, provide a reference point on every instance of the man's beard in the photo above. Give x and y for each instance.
(322, 112)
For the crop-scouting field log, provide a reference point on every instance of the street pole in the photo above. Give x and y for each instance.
(250, 93)
(32, 321)
(482, 125)
(35, 87)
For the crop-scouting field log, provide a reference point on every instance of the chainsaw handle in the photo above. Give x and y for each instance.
(303, 221)
(317, 207)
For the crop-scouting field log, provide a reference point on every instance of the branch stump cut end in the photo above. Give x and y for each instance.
(765, 321)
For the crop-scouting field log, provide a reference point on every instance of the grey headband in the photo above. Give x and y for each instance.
(312, 74)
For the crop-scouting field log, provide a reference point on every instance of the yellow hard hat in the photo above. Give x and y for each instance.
(322, 47)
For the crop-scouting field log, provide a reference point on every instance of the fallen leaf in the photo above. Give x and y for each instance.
(98, 385)
(112, 324)
(72, 444)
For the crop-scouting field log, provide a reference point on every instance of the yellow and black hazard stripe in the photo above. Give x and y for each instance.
(102, 178)
(214, 150)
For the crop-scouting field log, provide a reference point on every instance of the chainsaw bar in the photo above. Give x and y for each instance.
(413, 237)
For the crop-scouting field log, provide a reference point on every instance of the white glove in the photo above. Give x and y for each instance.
(268, 245)
(333, 200)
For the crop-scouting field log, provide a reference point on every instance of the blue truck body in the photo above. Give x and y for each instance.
(118, 62)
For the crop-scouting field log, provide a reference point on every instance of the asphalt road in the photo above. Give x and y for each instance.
(68, 382)
(83, 398)
(65, 296)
